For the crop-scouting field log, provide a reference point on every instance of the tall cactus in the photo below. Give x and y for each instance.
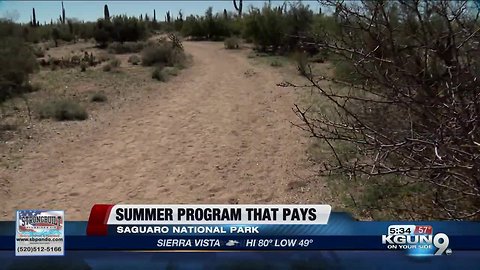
(154, 16)
(106, 13)
(168, 18)
(238, 7)
(34, 18)
(180, 15)
(63, 14)
(225, 14)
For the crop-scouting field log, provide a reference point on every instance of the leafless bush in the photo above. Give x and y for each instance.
(411, 118)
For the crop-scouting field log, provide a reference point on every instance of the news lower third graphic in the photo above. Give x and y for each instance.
(230, 228)
(39, 233)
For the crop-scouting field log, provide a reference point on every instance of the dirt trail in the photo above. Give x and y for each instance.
(220, 133)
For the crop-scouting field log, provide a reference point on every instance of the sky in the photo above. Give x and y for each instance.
(91, 10)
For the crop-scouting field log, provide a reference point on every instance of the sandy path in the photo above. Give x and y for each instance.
(221, 134)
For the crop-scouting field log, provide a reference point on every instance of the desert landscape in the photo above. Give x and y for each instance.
(219, 132)
(371, 107)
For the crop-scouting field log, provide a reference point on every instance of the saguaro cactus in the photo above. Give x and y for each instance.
(167, 18)
(106, 13)
(63, 14)
(154, 16)
(34, 18)
(180, 16)
(238, 7)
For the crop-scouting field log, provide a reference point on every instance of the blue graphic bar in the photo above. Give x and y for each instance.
(307, 242)
(341, 233)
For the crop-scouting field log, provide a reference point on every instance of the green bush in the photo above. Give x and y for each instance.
(113, 64)
(232, 43)
(107, 67)
(193, 27)
(102, 37)
(15, 70)
(134, 60)
(301, 59)
(126, 47)
(162, 53)
(38, 51)
(83, 66)
(266, 28)
(120, 29)
(345, 70)
(276, 28)
(180, 65)
(171, 71)
(211, 26)
(159, 74)
(276, 63)
(98, 97)
(63, 110)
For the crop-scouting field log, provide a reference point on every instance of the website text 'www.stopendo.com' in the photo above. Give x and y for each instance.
(40, 239)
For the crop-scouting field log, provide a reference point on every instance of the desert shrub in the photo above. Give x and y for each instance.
(211, 26)
(33, 87)
(120, 29)
(67, 36)
(56, 35)
(101, 36)
(102, 57)
(298, 22)
(193, 27)
(181, 65)
(276, 63)
(406, 129)
(301, 60)
(232, 43)
(215, 25)
(15, 70)
(107, 67)
(126, 47)
(162, 53)
(171, 71)
(83, 66)
(8, 127)
(134, 60)
(38, 51)
(156, 54)
(63, 110)
(10, 29)
(178, 22)
(266, 27)
(113, 64)
(159, 74)
(320, 57)
(278, 28)
(98, 97)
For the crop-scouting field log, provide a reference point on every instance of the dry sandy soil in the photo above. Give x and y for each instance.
(220, 132)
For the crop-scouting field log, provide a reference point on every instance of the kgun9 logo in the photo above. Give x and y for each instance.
(419, 244)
